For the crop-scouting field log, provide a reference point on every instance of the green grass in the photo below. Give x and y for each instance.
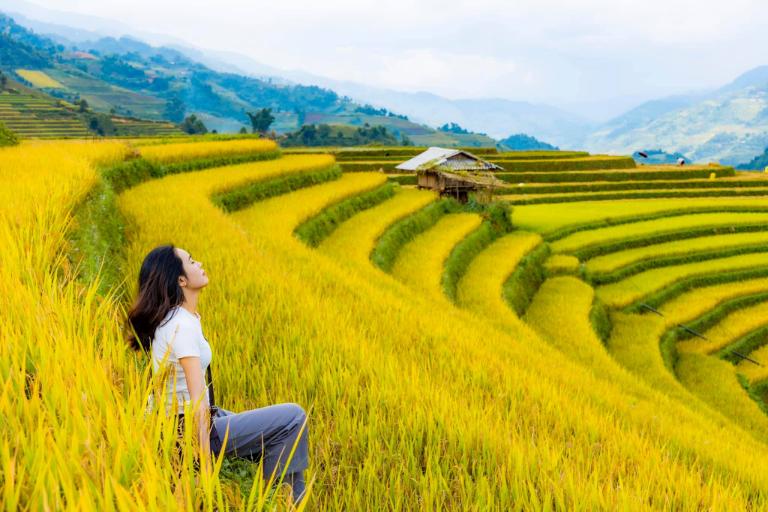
(397, 235)
(614, 261)
(557, 221)
(638, 286)
(242, 197)
(589, 163)
(635, 185)
(523, 283)
(614, 237)
(496, 224)
(648, 194)
(317, 228)
(420, 261)
(679, 259)
(715, 382)
(620, 175)
(31, 116)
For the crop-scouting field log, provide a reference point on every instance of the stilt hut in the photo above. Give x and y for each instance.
(452, 172)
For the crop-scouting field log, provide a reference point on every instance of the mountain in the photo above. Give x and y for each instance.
(523, 142)
(130, 77)
(496, 117)
(760, 162)
(729, 125)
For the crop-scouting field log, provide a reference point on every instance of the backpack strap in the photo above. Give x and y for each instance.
(211, 400)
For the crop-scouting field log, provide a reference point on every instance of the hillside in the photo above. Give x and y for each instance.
(133, 79)
(30, 113)
(729, 125)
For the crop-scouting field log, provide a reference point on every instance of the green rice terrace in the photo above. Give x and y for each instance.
(37, 116)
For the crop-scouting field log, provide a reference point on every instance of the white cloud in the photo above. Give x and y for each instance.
(545, 50)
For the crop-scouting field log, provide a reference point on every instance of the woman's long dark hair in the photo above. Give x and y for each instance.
(159, 292)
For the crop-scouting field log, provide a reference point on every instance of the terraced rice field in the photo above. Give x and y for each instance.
(607, 354)
(39, 79)
(33, 117)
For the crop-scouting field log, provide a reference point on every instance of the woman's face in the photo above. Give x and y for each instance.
(195, 275)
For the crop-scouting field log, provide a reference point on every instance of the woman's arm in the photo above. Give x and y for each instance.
(196, 385)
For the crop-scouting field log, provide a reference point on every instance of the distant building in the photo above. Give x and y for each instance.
(452, 172)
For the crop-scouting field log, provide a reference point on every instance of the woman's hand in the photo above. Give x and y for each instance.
(197, 393)
(203, 421)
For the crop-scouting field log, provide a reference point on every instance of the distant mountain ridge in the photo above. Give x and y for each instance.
(729, 124)
(129, 77)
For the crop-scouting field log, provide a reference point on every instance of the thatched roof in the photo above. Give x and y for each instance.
(484, 179)
(449, 159)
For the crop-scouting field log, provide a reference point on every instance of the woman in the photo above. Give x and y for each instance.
(165, 320)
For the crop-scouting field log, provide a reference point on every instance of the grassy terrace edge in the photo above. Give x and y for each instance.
(665, 261)
(557, 234)
(403, 231)
(97, 239)
(670, 338)
(317, 228)
(659, 194)
(523, 283)
(244, 196)
(655, 299)
(576, 176)
(497, 222)
(634, 242)
(132, 172)
(568, 188)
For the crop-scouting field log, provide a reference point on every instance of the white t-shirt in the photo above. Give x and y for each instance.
(181, 335)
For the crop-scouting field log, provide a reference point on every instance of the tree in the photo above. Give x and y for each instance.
(3, 81)
(101, 124)
(174, 110)
(193, 126)
(243, 129)
(7, 137)
(82, 105)
(261, 120)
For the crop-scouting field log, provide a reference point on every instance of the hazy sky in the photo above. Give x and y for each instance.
(555, 51)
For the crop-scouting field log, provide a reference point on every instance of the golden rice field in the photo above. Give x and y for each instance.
(624, 384)
(39, 78)
(165, 153)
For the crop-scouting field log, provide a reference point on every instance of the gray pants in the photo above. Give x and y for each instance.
(267, 433)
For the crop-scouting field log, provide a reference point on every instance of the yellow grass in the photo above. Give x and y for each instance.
(169, 153)
(660, 192)
(750, 370)
(737, 324)
(480, 289)
(698, 301)
(39, 79)
(560, 313)
(414, 404)
(634, 342)
(562, 264)
(714, 381)
(652, 227)
(616, 260)
(549, 217)
(354, 345)
(635, 287)
(419, 264)
(285, 213)
(354, 239)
